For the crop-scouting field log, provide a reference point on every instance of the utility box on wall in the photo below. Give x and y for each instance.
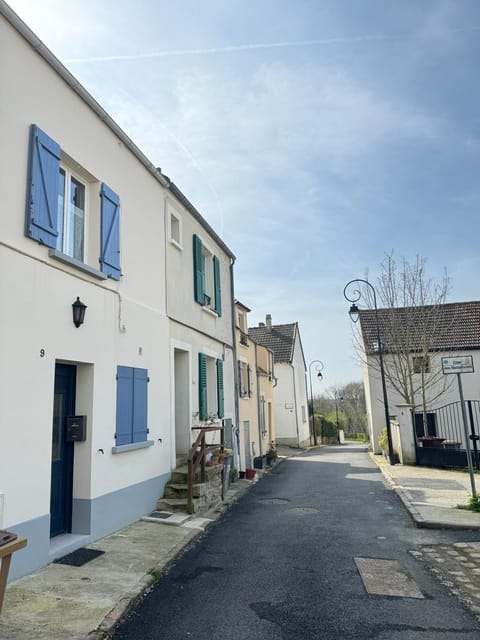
(76, 429)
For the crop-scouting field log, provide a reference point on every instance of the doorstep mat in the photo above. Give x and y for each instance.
(79, 557)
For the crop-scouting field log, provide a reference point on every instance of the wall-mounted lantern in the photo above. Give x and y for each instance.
(78, 308)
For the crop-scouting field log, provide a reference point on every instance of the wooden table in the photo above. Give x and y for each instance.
(5, 557)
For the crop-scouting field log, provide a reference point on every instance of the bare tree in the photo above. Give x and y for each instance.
(350, 403)
(411, 318)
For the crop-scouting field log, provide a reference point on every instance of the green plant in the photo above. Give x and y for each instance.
(383, 439)
(156, 573)
(233, 474)
(271, 454)
(472, 505)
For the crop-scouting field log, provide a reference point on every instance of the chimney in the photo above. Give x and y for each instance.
(268, 320)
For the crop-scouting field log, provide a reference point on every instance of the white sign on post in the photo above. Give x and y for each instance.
(458, 364)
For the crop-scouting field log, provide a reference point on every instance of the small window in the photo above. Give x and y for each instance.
(210, 387)
(175, 229)
(206, 277)
(421, 364)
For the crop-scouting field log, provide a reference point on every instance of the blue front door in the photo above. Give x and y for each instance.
(62, 451)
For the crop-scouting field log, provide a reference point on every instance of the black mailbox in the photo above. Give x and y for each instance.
(76, 429)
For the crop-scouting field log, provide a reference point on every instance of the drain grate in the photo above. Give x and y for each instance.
(273, 501)
(161, 515)
(79, 557)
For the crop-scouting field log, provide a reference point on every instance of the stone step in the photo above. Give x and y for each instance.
(180, 475)
(176, 504)
(180, 490)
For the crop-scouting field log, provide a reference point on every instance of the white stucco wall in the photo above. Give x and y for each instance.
(125, 321)
(447, 385)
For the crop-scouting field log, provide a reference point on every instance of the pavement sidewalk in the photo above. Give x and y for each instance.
(63, 602)
(432, 495)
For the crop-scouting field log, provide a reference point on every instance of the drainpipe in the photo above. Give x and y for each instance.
(259, 402)
(236, 426)
(295, 405)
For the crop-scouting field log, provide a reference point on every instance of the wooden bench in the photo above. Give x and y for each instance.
(5, 557)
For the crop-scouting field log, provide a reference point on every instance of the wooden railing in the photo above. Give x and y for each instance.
(197, 459)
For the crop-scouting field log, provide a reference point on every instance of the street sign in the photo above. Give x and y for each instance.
(458, 364)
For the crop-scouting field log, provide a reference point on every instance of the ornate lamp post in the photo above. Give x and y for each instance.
(318, 368)
(354, 315)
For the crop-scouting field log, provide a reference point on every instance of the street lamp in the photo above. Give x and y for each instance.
(354, 315)
(318, 368)
(336, 406)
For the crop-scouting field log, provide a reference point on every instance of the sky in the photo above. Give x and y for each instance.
(314, 136)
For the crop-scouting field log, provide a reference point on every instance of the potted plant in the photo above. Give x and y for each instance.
(233, 474)
(383, 442)
(250, 474)
(271, 456)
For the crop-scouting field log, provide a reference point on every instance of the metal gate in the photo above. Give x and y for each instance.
(445, 444)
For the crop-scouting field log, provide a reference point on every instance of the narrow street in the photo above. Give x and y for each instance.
(294, 558)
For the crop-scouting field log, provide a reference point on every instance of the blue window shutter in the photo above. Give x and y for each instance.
(216, 282)
(202, 387)
(198, 270)
(110, 234)
(220, 395)
(140, 405)
(42, 188)
(123, 431)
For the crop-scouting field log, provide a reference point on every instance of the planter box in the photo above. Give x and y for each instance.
(431, 443)
(260, 462)
(250, 474)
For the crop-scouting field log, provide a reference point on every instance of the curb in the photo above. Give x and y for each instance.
(129, 599)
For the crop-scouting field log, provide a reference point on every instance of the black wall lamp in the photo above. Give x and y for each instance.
(78, 308)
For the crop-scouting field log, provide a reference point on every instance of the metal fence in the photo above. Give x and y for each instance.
(442, 440)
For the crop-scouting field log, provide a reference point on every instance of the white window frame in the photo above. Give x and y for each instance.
(172, 214)
(66, 226)
(208, 278)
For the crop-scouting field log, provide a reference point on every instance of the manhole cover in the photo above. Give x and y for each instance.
(386, 578)
(303, 511)
(273, 501)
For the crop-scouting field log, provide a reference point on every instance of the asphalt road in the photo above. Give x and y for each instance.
(281, 564)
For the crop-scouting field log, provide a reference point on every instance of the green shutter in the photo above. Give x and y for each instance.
(198, 270)
(202, 387)
(220, 397)
(216, 282)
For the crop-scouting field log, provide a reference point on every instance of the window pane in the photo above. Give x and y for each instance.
(60, 209)
(76, 219)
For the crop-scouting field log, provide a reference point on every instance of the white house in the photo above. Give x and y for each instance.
(456, 332)
(290, 394)
(88, 221)
(199, 308)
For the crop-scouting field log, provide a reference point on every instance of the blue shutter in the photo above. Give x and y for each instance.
(198, 270)
(140, 405)
(110, 234)
(220, 395)
(202, 387)
(216, 282)
(42, 188)
(123, 433)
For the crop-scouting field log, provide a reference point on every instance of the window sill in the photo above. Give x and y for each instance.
(123, 448)
(72, 262)
(176, 244)
(210, 311)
